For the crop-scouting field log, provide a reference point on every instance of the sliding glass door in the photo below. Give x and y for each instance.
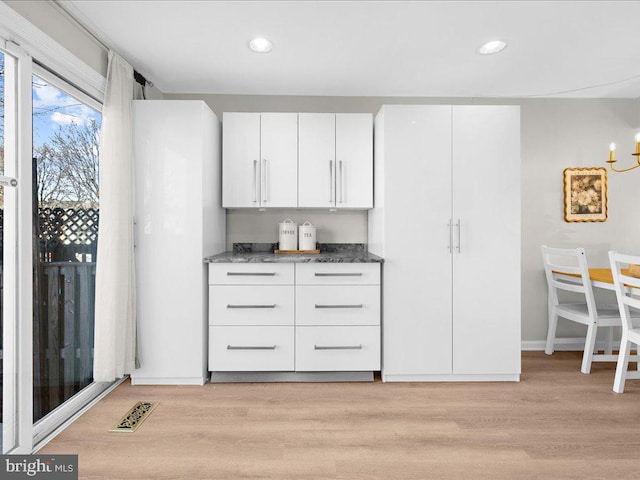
(49, 209)
(16, 249)
(5, 184)
(65, 176)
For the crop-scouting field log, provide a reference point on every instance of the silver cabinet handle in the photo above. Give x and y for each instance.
(341, 182)
(337, 347)
(338, 306)
(251, 274)
(251, 347)
(459, 236)
(251, 306)
(255, 183)
(321, 274)
(331, 183)
(264, 176)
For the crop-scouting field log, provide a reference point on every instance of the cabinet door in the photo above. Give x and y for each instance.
(354, 157)
(241, 160)
(486, 274)
(416, 160)
(279, 159)
(316, 162)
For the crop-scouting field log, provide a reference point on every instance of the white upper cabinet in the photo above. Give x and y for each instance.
(354, 160)
(279, 152)
(241, 160)
(260, 157)
(317, 160)
(307, 160)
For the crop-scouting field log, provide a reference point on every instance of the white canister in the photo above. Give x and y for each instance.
(288, 235)
(307, 238)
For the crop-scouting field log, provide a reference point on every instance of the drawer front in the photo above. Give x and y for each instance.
(332, 305)
(337, 349)
(250, 305)
(338, 274)
(251, 349)
(250, 274)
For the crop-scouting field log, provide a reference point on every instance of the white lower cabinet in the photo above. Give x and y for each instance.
(259, 305)
(337, 348)
(254, 349)
(314, 317)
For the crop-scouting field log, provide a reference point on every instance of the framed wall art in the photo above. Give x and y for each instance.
(585, 194)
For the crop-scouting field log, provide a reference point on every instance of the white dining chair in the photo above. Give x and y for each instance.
(573, 264)
(627, 291)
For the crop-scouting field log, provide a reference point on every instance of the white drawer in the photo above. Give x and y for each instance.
(251, 305)
(251, 349)
(337, 349)
(338, 305)
(250, 274)
(338, 274)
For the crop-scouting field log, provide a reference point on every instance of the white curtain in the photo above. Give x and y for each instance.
(115, 318)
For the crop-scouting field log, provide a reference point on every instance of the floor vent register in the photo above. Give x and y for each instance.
(134, 417)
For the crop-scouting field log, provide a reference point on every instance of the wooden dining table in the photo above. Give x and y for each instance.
(600, 277)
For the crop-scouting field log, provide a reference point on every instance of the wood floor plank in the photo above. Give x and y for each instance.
(556, 423)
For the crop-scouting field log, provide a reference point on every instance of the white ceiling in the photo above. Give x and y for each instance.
(377, 48)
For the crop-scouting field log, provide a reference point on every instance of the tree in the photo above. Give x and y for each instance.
(68, 166)
(77, 150)
(51, 187)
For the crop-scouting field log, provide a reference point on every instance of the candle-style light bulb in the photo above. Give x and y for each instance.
(612, 152)
(637, 138)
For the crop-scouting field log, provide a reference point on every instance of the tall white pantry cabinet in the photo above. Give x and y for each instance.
(179, 221)
(447, 222)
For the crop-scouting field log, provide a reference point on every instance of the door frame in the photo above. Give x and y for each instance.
(18, 262)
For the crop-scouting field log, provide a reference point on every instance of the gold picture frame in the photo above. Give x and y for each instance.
(585, 195)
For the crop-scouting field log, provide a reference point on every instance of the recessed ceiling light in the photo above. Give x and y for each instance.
(494, 46)
(260, 45)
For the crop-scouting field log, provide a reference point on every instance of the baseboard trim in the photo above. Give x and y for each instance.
(508, 377)
(238, 377)
(168, 380)
(568, 344)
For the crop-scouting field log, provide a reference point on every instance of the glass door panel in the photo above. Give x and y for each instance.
(65, 220)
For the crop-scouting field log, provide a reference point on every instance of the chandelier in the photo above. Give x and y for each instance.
(612, 156)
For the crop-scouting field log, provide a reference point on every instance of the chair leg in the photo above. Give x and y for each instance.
(608, 349)
(551, 333)
(621, 367)
(589, 344)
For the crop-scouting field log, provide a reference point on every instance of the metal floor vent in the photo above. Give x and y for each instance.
(134, 417)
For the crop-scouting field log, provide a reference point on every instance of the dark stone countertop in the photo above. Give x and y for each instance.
(263, 253)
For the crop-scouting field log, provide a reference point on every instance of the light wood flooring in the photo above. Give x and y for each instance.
(555, 424)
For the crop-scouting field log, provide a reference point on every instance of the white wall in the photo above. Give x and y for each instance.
(63, 29)
(556, 134)
(331, 227)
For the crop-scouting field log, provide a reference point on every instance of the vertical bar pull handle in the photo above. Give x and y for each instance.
(459, 236)
(255, 183)
(331, 184)
(264, 174)
(341, 181)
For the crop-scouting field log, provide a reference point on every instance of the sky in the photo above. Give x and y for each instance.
(52, 108)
